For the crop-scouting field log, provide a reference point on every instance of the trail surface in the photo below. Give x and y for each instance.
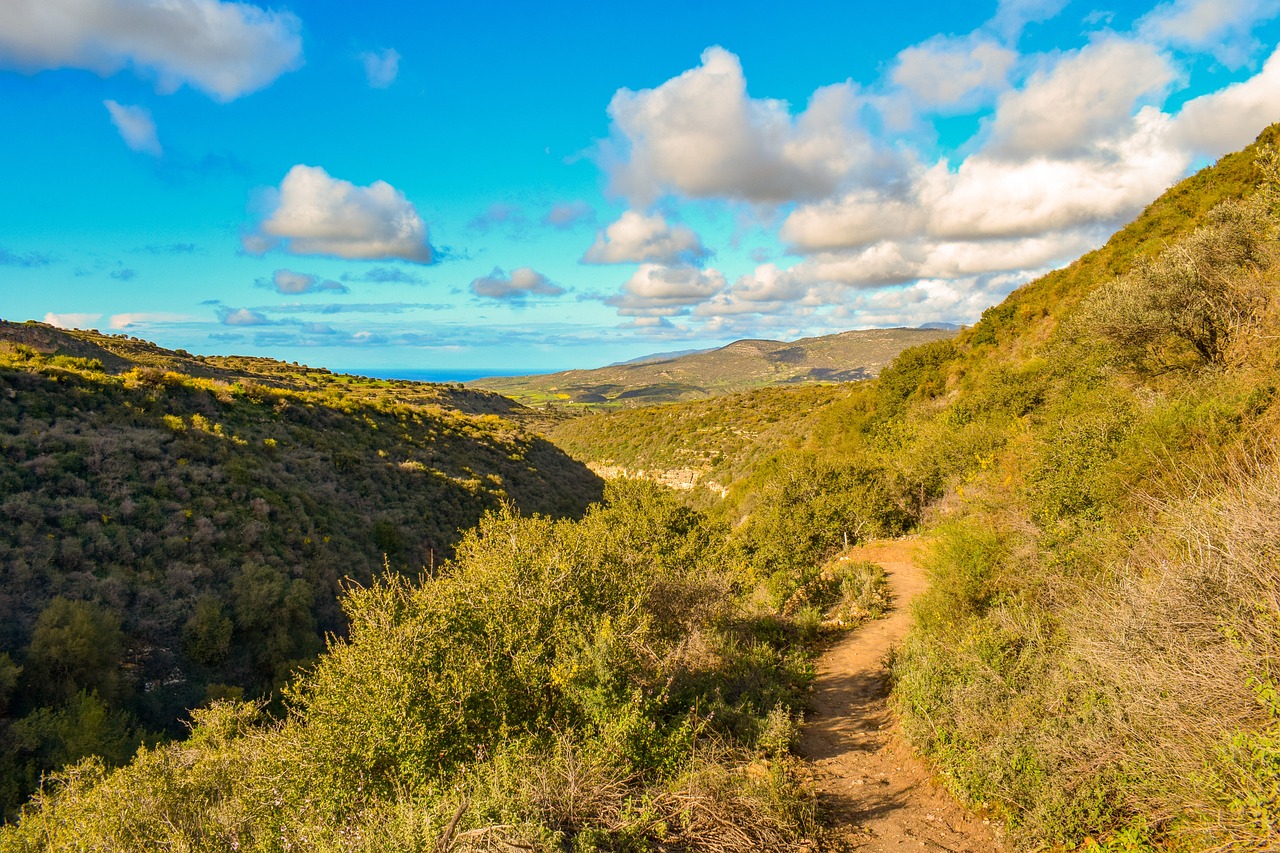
(875, 795)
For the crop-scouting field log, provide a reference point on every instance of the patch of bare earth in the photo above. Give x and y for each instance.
(873, 792)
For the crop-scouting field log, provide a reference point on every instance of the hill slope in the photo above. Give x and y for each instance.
(1097, 463)
(195, 518)
(740, 366)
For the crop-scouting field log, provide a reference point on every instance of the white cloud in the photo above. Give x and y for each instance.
(1220, 27)
(666, 291)
(701, 135)
(1012, 16)
(954, 74)
(72, 320)
(381, 68)
(518, 286)
(1087, 97)
(131, 319)
(136, 127)
(565, 215)
(996, 198)
(317, 214)
(224, 49)
(242, 317)
(291, 282)
(637, 238)
(1223, 121)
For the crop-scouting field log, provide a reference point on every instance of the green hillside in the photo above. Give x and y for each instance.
(1094, 467)
(176, 528)
(1095, 464)
(740, 366)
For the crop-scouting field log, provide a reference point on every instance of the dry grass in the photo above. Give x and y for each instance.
(1186, 640)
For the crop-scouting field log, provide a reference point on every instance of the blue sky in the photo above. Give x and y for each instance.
(529, 187)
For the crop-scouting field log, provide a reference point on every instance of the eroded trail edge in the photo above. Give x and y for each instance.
(874, 793)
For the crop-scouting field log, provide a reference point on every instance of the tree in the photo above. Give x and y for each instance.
(76, 645)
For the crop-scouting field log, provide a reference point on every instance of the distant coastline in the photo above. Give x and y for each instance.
(434, 375)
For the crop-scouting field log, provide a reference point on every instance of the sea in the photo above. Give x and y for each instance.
(436, 375)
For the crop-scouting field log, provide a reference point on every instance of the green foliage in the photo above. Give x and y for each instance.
(1185, 307)
(175, 528)
(1103, 578)
(807, 508)
(917, 373)
(75, 646)
(575, 684)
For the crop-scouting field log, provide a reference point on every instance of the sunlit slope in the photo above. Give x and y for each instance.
(1095, 464)
(740, 366)
(194, 518)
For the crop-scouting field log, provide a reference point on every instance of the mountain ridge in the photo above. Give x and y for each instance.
(738, 366)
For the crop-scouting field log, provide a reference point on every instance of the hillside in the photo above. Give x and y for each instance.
(192, 521)
(1096, 465)
(740, 366)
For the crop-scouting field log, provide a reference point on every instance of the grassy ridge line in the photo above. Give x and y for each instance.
(740, 366)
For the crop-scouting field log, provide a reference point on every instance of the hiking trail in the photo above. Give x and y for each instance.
(874, 793)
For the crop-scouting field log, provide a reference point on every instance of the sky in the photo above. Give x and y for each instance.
(523, 187)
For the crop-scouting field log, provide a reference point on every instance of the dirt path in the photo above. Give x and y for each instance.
(874, 794)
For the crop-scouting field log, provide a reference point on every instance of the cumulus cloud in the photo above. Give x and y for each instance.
(136, 127)
(522, 283)
(1012, 16)
(954, 74)
(291, 282)
(229, 316)
(72, 320)
(316, 214)
(566, 214)
(223, 49)
(1069, 145)
(992, 198)
(666, 291)
(381, 67)
(133, 319)
(1222, 121)
(637, 238)
(1221, 27)
(1088, 96)
(701, 135)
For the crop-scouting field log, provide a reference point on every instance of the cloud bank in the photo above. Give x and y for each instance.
(225, 50)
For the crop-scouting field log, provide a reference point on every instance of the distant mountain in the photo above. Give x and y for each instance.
(740, 366)
(946, 327)
(658, 356)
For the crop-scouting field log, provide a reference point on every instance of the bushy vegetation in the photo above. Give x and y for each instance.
(1095, 466)
(1097, 657)
(175, 530)
(558, 685)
